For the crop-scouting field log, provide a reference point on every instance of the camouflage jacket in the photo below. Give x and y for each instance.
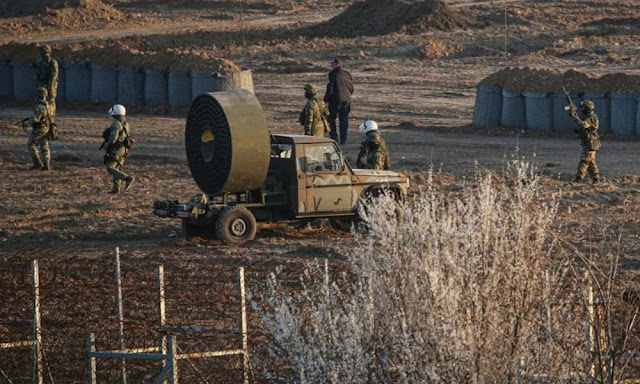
(314, 117)
(41, 118)
(47, 74)
(375, 159)
(587, 128)
(363, 155)
(119, 130)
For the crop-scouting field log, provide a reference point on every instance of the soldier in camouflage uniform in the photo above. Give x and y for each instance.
(588, 132)
(41, 122)
(47, 75)
(117, 148)
(314, 115)
(372, 133)
(375, 155)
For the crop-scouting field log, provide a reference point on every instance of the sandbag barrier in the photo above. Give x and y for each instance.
(618, 112)
(119, 84)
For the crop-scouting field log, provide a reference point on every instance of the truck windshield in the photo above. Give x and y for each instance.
(322, 158)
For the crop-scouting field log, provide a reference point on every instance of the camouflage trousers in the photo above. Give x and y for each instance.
(588, 163)
(114, 164)
(39, 138)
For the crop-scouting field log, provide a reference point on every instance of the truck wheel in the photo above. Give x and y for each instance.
(236, 225)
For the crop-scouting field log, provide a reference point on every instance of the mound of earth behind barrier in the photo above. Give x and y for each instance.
(547, 80)
(60, 9)
(381, 17)
(111, 53)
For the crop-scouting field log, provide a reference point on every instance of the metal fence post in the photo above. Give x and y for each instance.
(173, 359)
(243, 324)
(91, 348)
(162, 312)
(120, 314)
(37, 326)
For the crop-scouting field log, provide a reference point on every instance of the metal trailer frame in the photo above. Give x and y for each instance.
(167, 350)
(36, 342)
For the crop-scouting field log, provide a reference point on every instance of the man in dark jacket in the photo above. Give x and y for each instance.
(338, 97)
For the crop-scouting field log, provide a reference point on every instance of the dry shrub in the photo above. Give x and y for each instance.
(450, 288)
(435, 49)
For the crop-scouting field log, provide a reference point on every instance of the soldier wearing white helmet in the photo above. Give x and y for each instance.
(118, 142)
(372, 132)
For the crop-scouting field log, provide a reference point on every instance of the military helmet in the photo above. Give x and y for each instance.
(42, 93)
(117, 110)
(45, 49)
(310, 88)
(588, 105)
(368, 126)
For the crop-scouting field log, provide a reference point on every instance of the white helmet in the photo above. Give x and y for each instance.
(368, 126)
(117, 110)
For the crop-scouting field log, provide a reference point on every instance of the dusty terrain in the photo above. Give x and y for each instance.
(418, 83)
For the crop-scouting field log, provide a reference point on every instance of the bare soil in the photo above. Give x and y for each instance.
(423, 102)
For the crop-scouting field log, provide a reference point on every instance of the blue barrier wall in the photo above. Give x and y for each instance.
(179, 89)
(513, 114)
(62, 85)
(202, 82)
(78, 76)
(104, 83)
(130, 86)
(155, 87)
(6, 79)
(24, 80)
(488, 107)
(538, 107)
(624, 108)
(562, 121)
(602, 103)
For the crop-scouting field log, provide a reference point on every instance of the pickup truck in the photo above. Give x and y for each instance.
(307, 178)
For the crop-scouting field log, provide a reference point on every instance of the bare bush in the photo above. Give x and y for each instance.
(464, 287)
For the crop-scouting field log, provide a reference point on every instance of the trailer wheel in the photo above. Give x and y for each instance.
(236, 225)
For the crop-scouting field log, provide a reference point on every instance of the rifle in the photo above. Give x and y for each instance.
(571, 107)
(23, 123)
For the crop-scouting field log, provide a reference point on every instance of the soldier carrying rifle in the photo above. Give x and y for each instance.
(588, 132)
(43, 131)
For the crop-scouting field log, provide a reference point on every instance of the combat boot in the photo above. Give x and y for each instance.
(37, 164)
(128, 181)
(114, 190)
(46, 166)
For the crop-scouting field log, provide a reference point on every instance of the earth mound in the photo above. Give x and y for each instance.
(381, 17)
(63, 12)
(547, 80)
(112, 53)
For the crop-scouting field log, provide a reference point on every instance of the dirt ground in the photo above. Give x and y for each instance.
(420, 88)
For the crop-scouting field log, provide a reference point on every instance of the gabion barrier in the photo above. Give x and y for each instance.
(6, 86)
(24, 80)
(538, 107)
(78, 81)
(130, 86)
(618, 112)
(104, 83)
(155, 87)
(179, 90)
(624, 107)
(488, 107)
(513, 114)
(124, 85)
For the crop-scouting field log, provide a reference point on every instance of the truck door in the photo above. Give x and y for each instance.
(328, 186)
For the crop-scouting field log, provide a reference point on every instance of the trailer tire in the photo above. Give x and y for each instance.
(236, 225)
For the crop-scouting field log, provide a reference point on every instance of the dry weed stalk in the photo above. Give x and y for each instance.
(452, 288)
